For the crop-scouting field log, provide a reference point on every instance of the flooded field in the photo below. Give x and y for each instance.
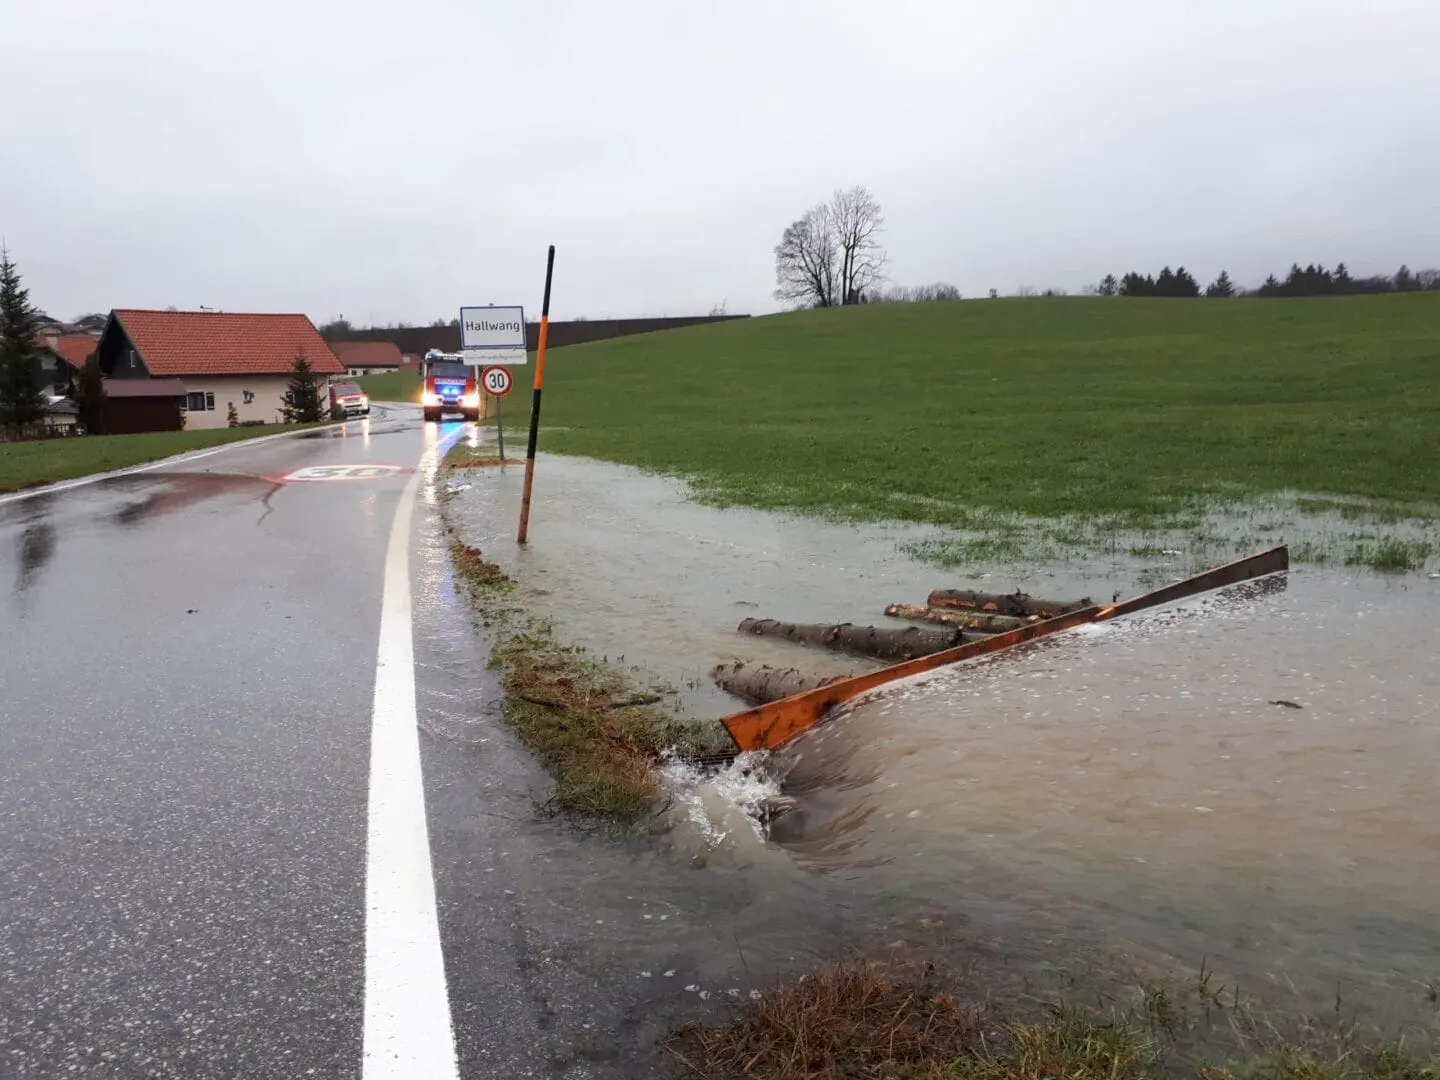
(1136, 786)
(1144, 774)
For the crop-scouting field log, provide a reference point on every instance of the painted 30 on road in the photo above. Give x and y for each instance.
(313, 473)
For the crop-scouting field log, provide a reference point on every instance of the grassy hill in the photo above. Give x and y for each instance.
(1125, 411)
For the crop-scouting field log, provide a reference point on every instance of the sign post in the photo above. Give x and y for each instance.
(535, 402)
(497, 383)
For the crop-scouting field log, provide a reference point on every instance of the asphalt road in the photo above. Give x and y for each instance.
(190, 686)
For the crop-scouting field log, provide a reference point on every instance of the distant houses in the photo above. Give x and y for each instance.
(203, 363)
(369, 357)
(164, 370)
(61, 358)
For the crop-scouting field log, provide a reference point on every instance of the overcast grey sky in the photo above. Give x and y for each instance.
(393, 161)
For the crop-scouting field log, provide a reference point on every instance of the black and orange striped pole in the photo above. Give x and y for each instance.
(535, 401)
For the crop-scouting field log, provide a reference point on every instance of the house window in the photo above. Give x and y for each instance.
(199, 401)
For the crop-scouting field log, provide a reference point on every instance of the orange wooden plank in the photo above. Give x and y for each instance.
(767, 727)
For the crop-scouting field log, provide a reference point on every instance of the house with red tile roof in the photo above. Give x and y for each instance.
(63, 355)
(368, 357)
(221, 358)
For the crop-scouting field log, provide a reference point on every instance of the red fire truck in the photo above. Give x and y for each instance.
(448, 387)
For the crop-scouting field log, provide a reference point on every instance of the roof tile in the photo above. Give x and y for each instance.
(225, 343)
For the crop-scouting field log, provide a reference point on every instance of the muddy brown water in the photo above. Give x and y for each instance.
(1131, 788)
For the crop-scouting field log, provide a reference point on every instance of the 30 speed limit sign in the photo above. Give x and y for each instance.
(496, 381)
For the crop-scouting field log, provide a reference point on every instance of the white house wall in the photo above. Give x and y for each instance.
(267, 398)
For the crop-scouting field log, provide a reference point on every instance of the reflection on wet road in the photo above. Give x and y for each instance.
(36, 539)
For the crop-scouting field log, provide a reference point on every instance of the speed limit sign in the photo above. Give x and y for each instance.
(496, 381)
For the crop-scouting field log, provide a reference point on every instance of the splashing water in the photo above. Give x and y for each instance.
(723, 812)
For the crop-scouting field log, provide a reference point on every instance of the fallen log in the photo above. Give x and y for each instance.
(983, 621)
(886, 643)
(762, 684)
(1013, 604)
(771, 725)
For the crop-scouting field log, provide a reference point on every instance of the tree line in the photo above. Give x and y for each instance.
(831, 257)
(1311, 280)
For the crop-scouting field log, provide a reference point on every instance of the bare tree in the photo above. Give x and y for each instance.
(857, 220)
(806, 260)
(832, 255)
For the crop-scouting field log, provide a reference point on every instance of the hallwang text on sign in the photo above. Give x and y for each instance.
(492, 335)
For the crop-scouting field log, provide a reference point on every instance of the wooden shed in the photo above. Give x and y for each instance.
(133, 406)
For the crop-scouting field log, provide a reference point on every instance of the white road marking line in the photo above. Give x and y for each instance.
(408, 1033)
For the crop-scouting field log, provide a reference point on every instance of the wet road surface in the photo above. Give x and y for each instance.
(188, 669)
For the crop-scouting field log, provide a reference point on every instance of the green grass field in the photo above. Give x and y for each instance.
(1124, 414)
(399, 385)
(45, 461)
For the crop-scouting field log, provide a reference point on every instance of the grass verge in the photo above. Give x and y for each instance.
(600, 737)
(857, 1020)
(45, 461)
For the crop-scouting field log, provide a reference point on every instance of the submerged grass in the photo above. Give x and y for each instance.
(598, 736)
(857, 1020)
(464, 456)
(1390, 555)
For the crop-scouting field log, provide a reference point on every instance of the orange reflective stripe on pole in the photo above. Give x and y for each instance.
(535, 401)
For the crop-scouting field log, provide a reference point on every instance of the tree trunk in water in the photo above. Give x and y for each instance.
(761, 685)
(983, 621)
(881, 642)
(1016, 603)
